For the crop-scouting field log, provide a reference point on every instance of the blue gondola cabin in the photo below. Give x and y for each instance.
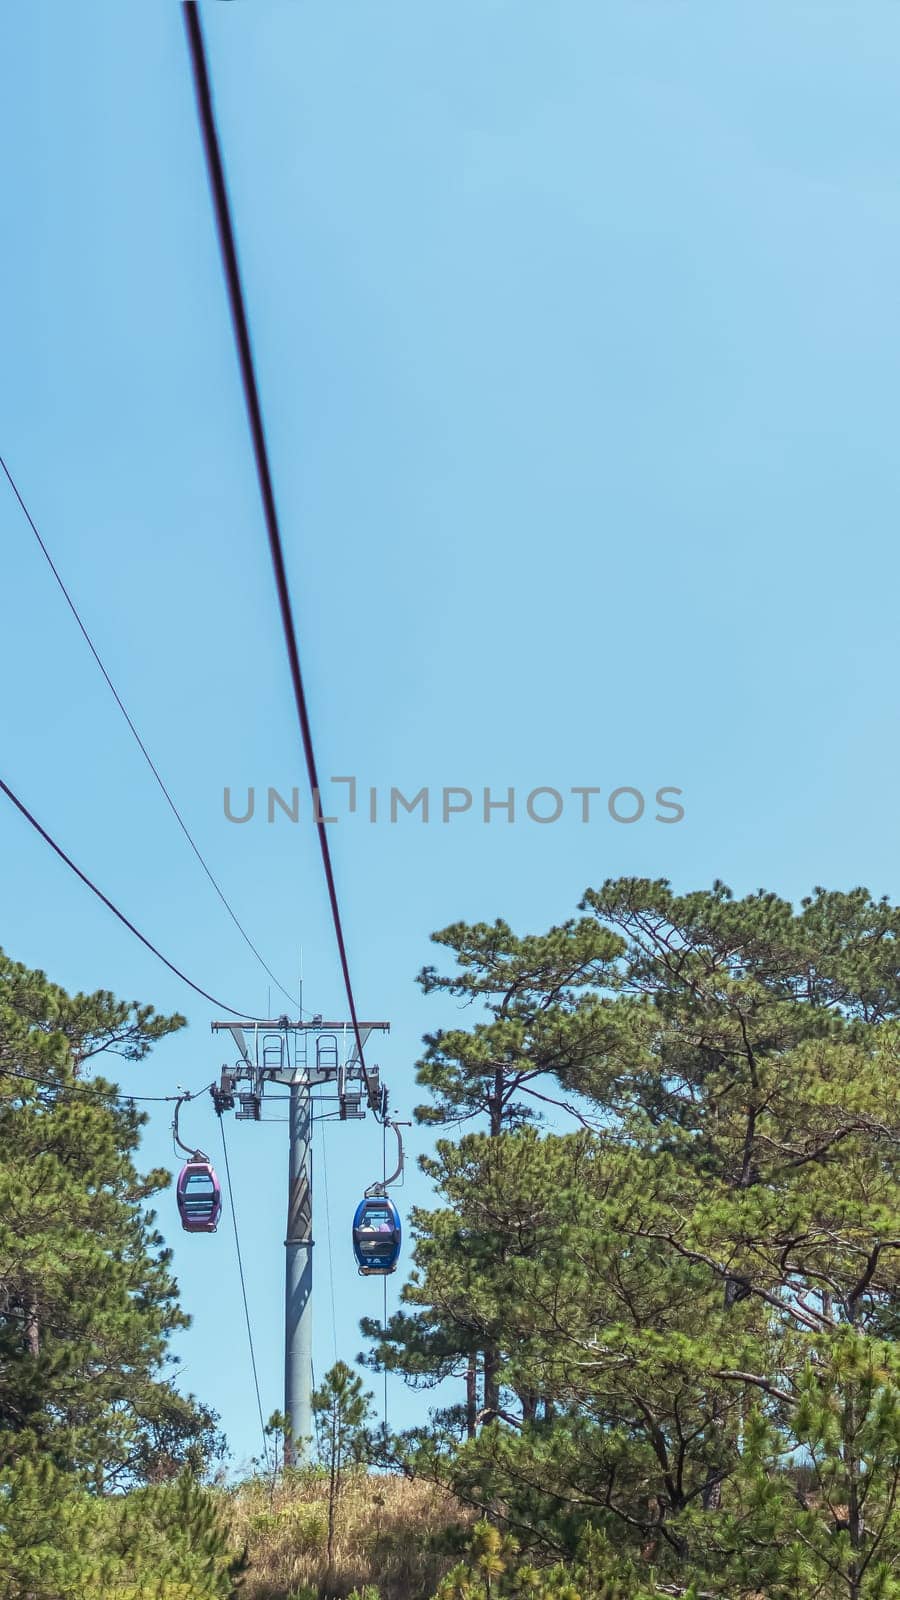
(376, 1235)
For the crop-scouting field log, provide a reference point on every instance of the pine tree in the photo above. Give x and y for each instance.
(543, 1019)
(58, 1542)
(530, 1250)
(725, 1246)
(87, 1303)
(341, 1408)
(493, 1570)
(87, 1300)
(770, 1076)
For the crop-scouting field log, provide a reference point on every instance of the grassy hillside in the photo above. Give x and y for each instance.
(390, 1533)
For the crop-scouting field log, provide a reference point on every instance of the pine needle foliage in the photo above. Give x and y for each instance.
(689, 1302)
(87, 1305)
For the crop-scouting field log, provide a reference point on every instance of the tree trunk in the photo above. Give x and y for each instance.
(491, 1354)
(711, 1494)
(471, 1397)
(332, 1494)
(529, 1403)
(735, 1289)
(32, 1328)
(851, 1458)
(854, 1515)
(491, 1384)
(495, 1105)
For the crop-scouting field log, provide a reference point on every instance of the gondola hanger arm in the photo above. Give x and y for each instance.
(384, 1184)
(192, 1153)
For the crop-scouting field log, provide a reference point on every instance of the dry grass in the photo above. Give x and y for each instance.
(387, 1533)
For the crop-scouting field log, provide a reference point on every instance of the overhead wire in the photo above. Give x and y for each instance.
(240, 1262)
(87, 1088)
(126, 922)
(384, 1335)
(384, 1280)
(284, 599)
(135, 734)
(225, 228)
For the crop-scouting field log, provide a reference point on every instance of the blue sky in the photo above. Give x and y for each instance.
(578, 339)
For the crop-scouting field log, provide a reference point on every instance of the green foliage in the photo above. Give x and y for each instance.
(834, 1529)
(57, 1542)
(494, 1570)
(304, 1526)
(544, 1018)
(341, 1408)
(276, 1433)
(87, 1304)
(88, 1300)
(684, 1312)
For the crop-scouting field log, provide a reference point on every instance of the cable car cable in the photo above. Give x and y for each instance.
(384, 1281)
(85, 1088)
(384, 1335)
(138, 740)
(191, 15)
(237, 1245)
(147, 943)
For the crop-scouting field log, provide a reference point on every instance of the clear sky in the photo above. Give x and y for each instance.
(578, 338)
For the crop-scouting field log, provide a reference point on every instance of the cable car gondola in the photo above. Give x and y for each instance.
(376, 1235)
(199, 1195)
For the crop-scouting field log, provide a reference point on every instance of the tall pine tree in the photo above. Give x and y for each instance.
(87, 1298)
(703, 1292)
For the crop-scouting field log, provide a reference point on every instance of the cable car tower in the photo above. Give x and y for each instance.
(304, 1056)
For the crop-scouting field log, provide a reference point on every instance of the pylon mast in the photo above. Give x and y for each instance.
(306, 1056)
